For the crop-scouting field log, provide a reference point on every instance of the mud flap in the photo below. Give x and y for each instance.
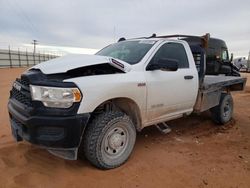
(69, 154)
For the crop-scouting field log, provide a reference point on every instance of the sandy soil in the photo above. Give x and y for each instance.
(196, 153)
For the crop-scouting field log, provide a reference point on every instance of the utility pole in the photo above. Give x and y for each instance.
(35, 42)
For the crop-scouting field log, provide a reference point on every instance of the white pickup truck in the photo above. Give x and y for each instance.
(93, 105)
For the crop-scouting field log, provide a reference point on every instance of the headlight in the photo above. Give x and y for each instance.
(54, 96)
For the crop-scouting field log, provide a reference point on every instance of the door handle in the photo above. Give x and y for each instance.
(188, 77)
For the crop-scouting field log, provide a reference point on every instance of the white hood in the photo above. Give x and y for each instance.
(69, 62)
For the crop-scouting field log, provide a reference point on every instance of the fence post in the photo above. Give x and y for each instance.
(10, 58)
(27, 58)
(34, 59)
(39, 57)
(19, 58)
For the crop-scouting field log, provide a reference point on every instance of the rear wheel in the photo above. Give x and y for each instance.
(222, 113)
(109, 140)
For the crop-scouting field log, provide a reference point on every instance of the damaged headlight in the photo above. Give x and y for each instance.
(54, 96)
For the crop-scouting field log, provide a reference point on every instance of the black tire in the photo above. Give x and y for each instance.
(109, 140)
(222, 113)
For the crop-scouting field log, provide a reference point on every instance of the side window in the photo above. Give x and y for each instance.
(174, 51)
(224, 55)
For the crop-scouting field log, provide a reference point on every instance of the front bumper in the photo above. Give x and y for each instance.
(52, 132)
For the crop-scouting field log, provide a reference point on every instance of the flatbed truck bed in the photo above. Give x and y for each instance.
(220, 81)
(213, 86)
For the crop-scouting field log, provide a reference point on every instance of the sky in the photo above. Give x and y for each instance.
(79, 26)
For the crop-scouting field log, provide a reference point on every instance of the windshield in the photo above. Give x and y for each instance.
(129, 51)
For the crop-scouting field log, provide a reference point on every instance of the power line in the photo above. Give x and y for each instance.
(26, 16)
(30, 27)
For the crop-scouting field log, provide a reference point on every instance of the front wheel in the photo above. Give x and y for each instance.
(222, 113)
(109, 140)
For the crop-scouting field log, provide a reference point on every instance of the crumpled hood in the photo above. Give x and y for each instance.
(69, 62)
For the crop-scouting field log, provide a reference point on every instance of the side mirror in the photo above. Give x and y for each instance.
(164, 64)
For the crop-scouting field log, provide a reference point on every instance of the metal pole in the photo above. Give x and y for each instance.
(10, 58)
(35, 42)
(19, 58)
(34, 58)
(39, 57)
(27, 58)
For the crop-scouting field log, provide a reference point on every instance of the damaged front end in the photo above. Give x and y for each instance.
(91, 70)
(50, 128)
(83, 65)
(59, 130)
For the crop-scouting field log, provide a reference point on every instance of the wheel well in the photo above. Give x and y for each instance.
(125, 105)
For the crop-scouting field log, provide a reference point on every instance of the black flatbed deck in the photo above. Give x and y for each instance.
(212, 82)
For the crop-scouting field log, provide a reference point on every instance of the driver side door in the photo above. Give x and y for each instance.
(170, 93)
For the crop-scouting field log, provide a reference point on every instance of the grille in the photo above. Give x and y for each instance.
(23, 81)
(23, 96)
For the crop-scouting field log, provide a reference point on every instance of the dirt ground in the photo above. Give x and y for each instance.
(197, 153)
